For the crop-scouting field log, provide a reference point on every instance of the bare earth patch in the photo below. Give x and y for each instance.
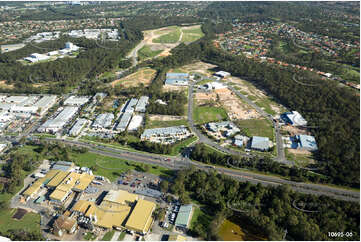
(144, 76)
(292, 130)
(156, 117)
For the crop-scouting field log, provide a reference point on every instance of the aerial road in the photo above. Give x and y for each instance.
(176, 163)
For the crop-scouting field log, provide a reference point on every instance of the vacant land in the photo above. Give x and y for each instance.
(6, 86)
(234, 232)
(29, 222)
(192, 33)
(206, 114)
(146, 52)
(260, 97)
(169, 38)
(256, 127)
(301, 157)
(144, 76)
(162, 124)
(184, 143)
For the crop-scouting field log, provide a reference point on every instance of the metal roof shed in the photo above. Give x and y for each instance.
(184, 216)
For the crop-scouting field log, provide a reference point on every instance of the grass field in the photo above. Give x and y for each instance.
(89, 236)
(193, 34)
(169, 38)
(178, 147)
(206, 114)
(257, 127)
(30, 221)
(111, 167)
(162, 124)
(121, 236)
(108, 236)
(147, 52)
(301, 160)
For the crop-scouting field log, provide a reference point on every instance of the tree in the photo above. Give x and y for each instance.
(164, 185)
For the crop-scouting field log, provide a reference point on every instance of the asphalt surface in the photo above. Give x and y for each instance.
(181, 162)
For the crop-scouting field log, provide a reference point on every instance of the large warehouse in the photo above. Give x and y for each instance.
(56, 124)
(140, 220)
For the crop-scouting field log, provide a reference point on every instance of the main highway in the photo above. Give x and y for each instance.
(179, 162)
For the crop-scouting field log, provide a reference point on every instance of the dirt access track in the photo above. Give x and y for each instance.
(235, 108)
(150, 35)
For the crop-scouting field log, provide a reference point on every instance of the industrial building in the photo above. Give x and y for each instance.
(222, 74)
(135, 123)
(306, 142)
(213, 86)
(44, 103)
(142, 103)
(123, 122)
(166, 135)
(103, 121)
(260, 143)
(36, 57)
(294, 118)
(184, 216)
(177, 79)
(226, 128)
(130, 106)
(32, 190)
(75, 130)
(240, 140)
(64, 224)
(56, 124)
(76, 100)
(16, 99)
(140, 220)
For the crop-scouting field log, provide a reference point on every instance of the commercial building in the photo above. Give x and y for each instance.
(166, 135)
(123, 122)
(130, 105)
(32, 190)
(76, 100)
(226, 128)
(120, 197)
(135, 123)
(66, 182)
(294, 118)
(36, 57)
(56, 124)
(64, 224)
(222, 74)
(306, 142)
(142, 103)
(140, 220)
(75, 130)
(184, 216)
(177, 79)
(44, 103)
(103, 121)
(260, 143)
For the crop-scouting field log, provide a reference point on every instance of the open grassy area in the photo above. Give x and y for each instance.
(89, 236)
(257, 127)
(147, 52)
(169, 38)
(161, 124)
(30, 221)
(200, 217)
(111, 167)
(193, 34)
(108, 236)
(121, 236)
(178, 147)
(301, 160)
(206, 114)
(144, 75)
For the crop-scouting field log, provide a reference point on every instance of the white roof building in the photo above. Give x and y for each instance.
(45, 103)
(135, 123)
(103, 121)
(222, 74)
(76, 100)
(213, 85)
(75, 130)
(16, 99)
(54, 125)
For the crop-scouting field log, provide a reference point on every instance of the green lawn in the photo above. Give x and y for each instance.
(257, 127)
(178, 147)
(169, 38)
(206, 114)
(200, 217)
(301, 160)
(121, 236)
(162, 124)
(108, 236)
(89, 236)
(111, 167)
(147, 52)
(30, 221)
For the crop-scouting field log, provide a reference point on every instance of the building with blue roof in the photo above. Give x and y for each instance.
(177, 79)
(260, 143)
(307, 142)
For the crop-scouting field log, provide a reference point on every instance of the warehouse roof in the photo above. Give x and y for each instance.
(164, 131)
(260, 143)
(103, 120)
(176, 237)
(294, 118)
(38, 183)
(307, 142)
(45, 101)
(120, 197)
(141, 217)
(143, 101)
(16, 99)
(56, 180)
(64, 222)
(183, 216)
(124, 120)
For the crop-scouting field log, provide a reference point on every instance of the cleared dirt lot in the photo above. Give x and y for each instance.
(144, 76)
(292, 130)
(165, 117)
(257, 95)
(236, 109)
